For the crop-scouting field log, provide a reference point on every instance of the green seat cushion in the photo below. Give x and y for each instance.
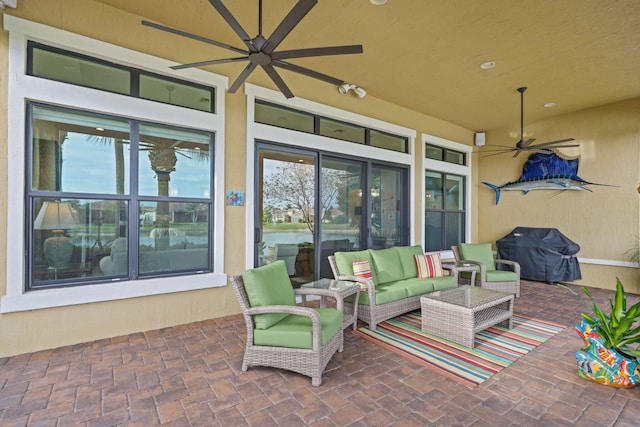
(387, 265)
(344, 262)
(417, 286)
(480, 252)
(390, 292)
(269, 285)
(443, 282)
(501, 276)
(295, 331)
(406, 254)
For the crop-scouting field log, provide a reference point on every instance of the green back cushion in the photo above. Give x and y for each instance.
(480, 252)
(387, 265)
(344, 262)
(268, 285)
(406, 254)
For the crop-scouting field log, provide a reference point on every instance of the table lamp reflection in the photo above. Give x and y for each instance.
(56, 216)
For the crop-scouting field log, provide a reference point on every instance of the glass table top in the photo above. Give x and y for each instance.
(467, 296)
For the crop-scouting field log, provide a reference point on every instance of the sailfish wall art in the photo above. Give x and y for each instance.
(545, 171)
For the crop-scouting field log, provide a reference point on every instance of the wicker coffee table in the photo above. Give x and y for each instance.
(457, 314)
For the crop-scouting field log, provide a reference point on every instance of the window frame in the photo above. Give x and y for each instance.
(354, 122)
(444, 167)
(278, 135)
(22, 87)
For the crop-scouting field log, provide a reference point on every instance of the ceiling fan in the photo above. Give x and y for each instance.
(261, 51)
(528, 145)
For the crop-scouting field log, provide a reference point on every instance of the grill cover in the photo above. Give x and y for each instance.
(544, 254)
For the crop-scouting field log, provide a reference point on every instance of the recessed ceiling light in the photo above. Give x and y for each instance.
(377, 2)
(550, 105)
(487, 65)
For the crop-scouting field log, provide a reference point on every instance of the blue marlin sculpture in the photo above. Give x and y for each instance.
(545, 171)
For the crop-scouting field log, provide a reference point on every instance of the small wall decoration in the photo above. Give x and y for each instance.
(545, 171)
(235, 198)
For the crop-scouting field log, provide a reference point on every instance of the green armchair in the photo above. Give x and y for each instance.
(487, 275)
(281, 334)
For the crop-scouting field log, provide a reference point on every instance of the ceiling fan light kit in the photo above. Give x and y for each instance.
(261, 52)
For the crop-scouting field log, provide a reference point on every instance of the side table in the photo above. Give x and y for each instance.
(337, 289)
(456, 267)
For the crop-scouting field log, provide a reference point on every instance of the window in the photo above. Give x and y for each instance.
(277, 115)
(69, 67)
(444, 210)
(81, 198)
(447, 174)
(112, 182)
(445, 154)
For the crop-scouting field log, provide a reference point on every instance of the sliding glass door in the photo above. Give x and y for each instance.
(311, 205)
(286, 211)
(342, 228)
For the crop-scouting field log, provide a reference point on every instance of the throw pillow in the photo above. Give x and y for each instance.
(362, 269)
(428, 265)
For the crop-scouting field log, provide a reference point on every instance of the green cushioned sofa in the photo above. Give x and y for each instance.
(394, 288)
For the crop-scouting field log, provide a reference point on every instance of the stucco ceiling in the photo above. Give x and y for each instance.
(426, 55)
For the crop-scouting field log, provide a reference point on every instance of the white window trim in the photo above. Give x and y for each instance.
(446, 167)
(317, 142)
(23, 88)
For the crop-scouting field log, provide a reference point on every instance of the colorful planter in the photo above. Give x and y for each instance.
(602, 365)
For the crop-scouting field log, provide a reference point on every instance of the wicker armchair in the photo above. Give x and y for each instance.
(487, 276)
(291, 343)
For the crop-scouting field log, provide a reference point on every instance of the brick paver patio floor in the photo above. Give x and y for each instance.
(189, 375)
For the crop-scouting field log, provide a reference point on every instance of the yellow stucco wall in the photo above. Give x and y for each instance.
(49, 328)
(603, 222)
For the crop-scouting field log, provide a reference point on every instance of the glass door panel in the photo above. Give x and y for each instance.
(341, 228)
(387, 199)
(286, 212)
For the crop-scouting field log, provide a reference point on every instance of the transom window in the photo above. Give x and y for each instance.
(70, 67)
(288, 118)
(435, 152)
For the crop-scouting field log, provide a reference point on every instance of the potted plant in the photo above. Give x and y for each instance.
(610, 356)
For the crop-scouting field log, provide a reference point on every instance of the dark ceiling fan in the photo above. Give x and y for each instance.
(523, 145)
(260, 51)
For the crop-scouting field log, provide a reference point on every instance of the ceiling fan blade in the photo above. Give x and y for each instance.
(498, 150)
(242, 77)
(509, 147)
(192, 36)
(307, 72)
(566, 146)
(296, 14)
(558, 141)
(317, 51)
(497, 153)
(233, 23)
(278, 80)
(210, 62)
(517, 153)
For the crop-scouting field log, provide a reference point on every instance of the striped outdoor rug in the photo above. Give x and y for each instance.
(495, 348)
